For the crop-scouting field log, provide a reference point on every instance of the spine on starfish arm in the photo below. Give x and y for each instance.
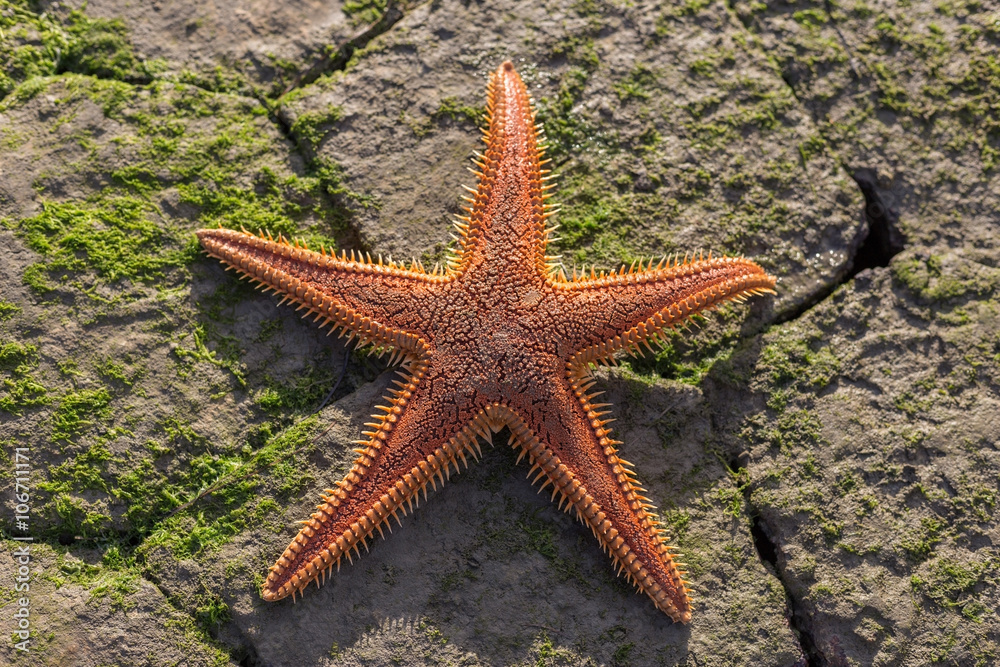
(658, 572)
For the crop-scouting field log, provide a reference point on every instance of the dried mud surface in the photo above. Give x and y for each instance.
(828, 461)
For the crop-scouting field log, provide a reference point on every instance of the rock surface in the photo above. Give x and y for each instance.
(828, 461)
(232, 45)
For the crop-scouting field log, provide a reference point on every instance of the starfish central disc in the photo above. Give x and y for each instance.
(498, 339)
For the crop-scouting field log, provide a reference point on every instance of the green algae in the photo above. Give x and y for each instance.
(101, 47)
(8, 310)
(309, 127)
(78, 411)
(956, 585)
(114, 576)
(635, 85)
(36, 45)
(363, 12)
(122, 232)
(932, 279)
(193, 158)
(21, 390)
(907, 57)
(18, 357)
(116, 240)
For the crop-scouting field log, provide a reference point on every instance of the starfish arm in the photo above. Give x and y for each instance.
(570, 448)
(505, 225)
(628, 308)
(413, 444)
(374, 301)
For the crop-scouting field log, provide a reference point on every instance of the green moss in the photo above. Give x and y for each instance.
(20, 389)
(101, 47)
(930, 279)
(117, 240)
(710, 61)
(78, 411)
(70, 516)
(114, 576)
(548, 655)
(452, 108)
(760, 107)
(310, 127)
(197, 522)
(363, 12)
(636, 84)
(974, 503)
(599, 224)
(918, 544)
(230, 207)
(789, 359)
(540, 536)
(118, 372)
(912, 59)
(85, 471)
(210, 148)
(192, 349)
(118, 585)
(8, 310)
(211, 612)
(959, 586)
(811, 19)
(847, 482)
(196, 641)
(677, 522)
(22, 392)
(31, 44)
(17, 357)
(681, 9)
(230, 509)
(622, 654)
(566, 130)
(731, 499)
(42, 44)
(300, 394)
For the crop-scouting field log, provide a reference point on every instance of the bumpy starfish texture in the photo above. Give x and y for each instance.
(499, 338)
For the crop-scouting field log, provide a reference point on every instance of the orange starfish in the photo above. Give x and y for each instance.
(499, 339)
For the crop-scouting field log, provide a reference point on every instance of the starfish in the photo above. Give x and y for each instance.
(498, 338)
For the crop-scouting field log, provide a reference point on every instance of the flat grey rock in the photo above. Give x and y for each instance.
(231, 45)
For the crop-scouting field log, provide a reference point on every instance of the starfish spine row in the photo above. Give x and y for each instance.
(669, 594)
(340, 318)
(402, 497)
(472, 226)
(679, 313)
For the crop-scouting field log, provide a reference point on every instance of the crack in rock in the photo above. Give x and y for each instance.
(878, 240)
(337, 60)
(798, 619)
(768, 554)
(883, 240)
